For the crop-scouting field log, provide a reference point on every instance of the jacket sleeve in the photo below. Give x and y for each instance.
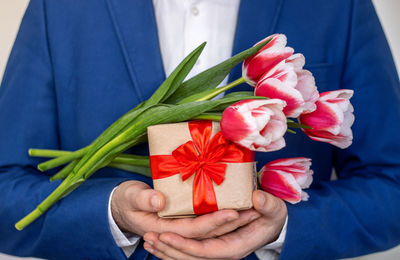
(358, 213)
(76, 227)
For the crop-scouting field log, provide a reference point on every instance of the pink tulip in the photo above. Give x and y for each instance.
(265, 59)
(332, 120)
(305, 83)
(258, 125)
(290, 82)
(285, 178)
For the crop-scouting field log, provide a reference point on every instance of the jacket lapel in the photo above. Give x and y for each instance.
(257, 20)
(136, 29)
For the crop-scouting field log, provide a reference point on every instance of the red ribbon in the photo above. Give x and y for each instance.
(203, 157)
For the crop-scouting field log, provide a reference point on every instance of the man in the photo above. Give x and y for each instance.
(78, 66)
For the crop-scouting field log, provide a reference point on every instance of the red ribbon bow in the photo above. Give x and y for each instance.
(203, 157)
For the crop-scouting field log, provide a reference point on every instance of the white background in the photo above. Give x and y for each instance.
(11, 12)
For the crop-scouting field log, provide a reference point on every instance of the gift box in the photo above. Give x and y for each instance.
(198, 170)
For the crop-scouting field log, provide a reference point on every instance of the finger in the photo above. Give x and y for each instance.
(141, 222)
(245, 217)
(208, 248)
(143, 198)
(149, 248)
(203, 225)
(267, 204)
(157, 245)
(235, 245)
(197, 227)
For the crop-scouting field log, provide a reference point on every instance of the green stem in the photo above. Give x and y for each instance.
(45, 205)
(205, 116)
(210, 93)
(62, 159)
(130, 159)
(135, 160)
(65, 171)
(47, 153)
(220, 90)
(290, 131)
(293, 124)
(86, 168)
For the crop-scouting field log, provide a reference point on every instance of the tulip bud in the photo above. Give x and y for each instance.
(258, 125)
(265, 59)
(332, 120)
(285, 178)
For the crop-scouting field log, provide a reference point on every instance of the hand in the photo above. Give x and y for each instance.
(234, 245)
(134, 205)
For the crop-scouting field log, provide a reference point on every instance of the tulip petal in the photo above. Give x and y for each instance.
(281, 185)
(268, 57)
(306, 86)
(233, 125)
(336, 140)
(285, 178)
(274, 146)
(341, 93)
(255, 124)
(299, 167)
(326, 117)
(298, 60)
(274, 88)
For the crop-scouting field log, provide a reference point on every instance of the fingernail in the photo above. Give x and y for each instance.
(261, 200)
(155, 202)
(150, 242)
(147, 248)
(254, 217)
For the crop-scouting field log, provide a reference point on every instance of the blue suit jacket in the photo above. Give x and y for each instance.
(77, 66)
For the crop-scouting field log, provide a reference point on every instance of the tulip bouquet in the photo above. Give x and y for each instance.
(256, 120)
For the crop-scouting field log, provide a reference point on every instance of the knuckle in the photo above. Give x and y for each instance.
(271, 204)
(214, 234)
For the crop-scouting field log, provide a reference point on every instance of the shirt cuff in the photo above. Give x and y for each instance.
(272, 250)
(126, 241)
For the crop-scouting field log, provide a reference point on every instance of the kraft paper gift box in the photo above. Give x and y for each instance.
(198, 170)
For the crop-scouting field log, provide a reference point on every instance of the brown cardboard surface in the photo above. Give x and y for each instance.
(234, 193)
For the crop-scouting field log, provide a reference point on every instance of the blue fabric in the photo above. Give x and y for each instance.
(76, 66)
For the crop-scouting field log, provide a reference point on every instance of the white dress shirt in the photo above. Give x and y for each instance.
(182, 26)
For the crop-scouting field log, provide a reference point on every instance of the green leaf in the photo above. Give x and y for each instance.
(240, 94)
(123, 123)
(113, 130)
(222, 107)
(208, 116)
(212, 77)
(297, 125)
(175, 79)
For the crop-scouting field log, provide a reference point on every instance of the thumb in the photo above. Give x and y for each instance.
(267, 204)
(143, 198)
